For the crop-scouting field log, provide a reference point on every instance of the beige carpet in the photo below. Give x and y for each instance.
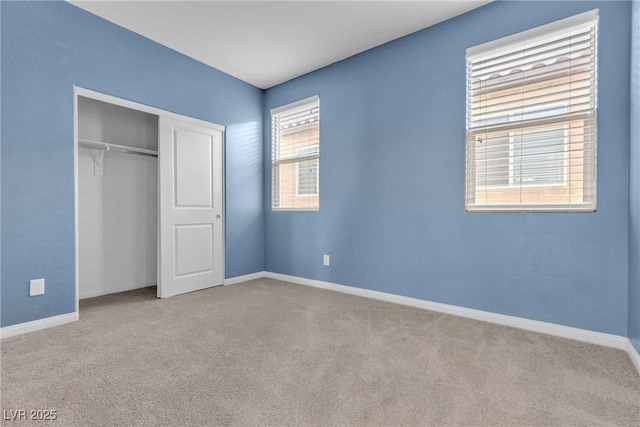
(273, 353)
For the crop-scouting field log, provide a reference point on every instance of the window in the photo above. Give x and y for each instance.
(531, 119)
(295, 156)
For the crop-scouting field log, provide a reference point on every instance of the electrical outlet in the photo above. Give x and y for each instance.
(36, 287)
(326, 260)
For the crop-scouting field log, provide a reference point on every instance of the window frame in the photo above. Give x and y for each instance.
(565, 162)
(512, 149)
(569, 120)
(312, 102)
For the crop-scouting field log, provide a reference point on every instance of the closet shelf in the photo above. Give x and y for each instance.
(115, 147)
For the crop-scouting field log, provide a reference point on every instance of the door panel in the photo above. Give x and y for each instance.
(193, 249)
(194, 169)
(191, 244)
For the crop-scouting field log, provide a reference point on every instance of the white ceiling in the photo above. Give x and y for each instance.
(269, 42)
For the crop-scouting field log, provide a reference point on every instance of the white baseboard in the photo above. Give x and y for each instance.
(245, 278)
(599, 338)
(633, 355)
(36, 325)
(102, 292)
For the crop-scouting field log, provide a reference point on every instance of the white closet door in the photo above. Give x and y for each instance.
(191, 243)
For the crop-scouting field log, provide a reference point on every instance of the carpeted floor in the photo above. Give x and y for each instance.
(273, 353)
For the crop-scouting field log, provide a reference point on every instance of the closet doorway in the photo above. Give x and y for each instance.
(148, 199)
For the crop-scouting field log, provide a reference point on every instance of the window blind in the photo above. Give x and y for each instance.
(295, 156)
(531, 119)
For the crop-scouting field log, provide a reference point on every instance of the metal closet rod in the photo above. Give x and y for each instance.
(115, 147)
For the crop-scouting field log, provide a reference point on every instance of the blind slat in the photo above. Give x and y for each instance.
(515, 79)
(574, 90)
(524, 124)
(531, 59)
(531, 159)
(520, 112)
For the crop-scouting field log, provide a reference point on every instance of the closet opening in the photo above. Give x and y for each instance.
(149, 199)
(118, 198)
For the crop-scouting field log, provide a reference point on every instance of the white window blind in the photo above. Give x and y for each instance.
(295, 156)
(531, 119)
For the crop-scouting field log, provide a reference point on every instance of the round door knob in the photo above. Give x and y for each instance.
(217, 216)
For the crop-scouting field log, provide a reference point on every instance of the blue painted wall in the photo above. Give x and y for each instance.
(47, 47)
(392, 182)
(634, 193)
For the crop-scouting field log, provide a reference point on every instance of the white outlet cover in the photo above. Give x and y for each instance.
(36, 287)
(326, 260)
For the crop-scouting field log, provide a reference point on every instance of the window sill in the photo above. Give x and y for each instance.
(295, 209)
(530, 209)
